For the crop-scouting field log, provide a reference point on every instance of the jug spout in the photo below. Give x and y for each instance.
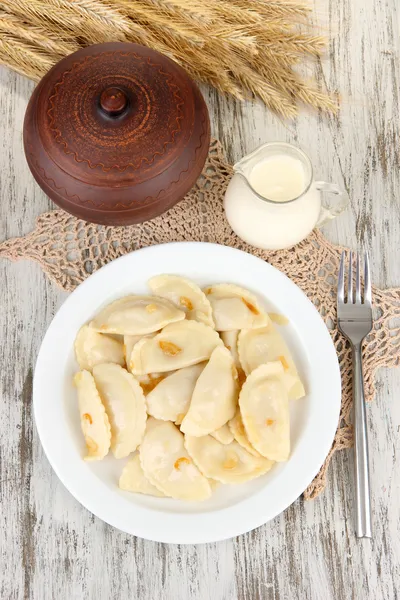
(276, 171)
(274, 151)
(245, 165)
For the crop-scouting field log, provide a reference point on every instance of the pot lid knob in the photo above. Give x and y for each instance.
(113, 101)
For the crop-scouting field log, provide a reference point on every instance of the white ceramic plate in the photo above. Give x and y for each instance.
(232, 510)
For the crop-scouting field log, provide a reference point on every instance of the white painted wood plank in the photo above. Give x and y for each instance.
(53, 548)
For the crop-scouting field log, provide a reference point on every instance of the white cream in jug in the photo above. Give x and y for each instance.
(279, 178)
(273, 223)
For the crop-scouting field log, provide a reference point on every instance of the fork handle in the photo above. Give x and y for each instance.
(361, 462)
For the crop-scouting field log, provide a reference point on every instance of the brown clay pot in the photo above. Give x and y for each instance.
(116, 133)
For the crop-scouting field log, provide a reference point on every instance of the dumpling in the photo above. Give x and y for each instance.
(124, 401)
(228, 463)
(178, 345)
(94, 420)
(239, 433)
(167, 464)
(185, 294)
(129, 342)
(264, 406)
(230, 339)
(93, 348)
(170, 399)
(137, 315)
(150, 380)
(223, 435)
(266, 344)
(215, 395)
(235, 308)
(133, 479)
(147, 381)
(278, 318)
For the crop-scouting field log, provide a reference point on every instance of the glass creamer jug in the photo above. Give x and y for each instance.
(272, 201)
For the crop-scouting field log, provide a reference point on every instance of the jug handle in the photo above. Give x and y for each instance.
(325, 214)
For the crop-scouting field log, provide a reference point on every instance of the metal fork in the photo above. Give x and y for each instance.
(355, 322)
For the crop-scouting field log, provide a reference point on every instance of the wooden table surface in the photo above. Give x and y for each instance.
(54, 549)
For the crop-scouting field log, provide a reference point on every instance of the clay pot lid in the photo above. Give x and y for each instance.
(116, 133)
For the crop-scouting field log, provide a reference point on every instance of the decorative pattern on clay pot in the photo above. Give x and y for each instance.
(116, 133)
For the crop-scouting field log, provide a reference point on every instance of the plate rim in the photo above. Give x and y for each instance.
(184, 536)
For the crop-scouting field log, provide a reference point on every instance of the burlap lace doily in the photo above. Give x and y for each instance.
(69, 250)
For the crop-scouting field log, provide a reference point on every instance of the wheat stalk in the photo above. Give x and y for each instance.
(72, 18)
(287, 9)
(292, 84)
(17, 52)
(35, 35)
(241, 47)
(195, 10)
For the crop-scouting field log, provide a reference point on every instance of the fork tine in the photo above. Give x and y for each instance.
(358, 280)
(367, 282)
(350, 297)
(340, 289)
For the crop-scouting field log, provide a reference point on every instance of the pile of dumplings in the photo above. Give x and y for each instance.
(193, 385)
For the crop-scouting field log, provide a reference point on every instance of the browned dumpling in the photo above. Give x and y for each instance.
(124, 401)
(167, 464)
(133, 479)
(178, 345)
(215, 395)
(170, 399)
(235, 308)
(223, 435)
(264, 406)
(185, 294)
(93, 348)
(136, 315)
(239, 433)
(94, 420)
(227, 463)
(266, 344)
